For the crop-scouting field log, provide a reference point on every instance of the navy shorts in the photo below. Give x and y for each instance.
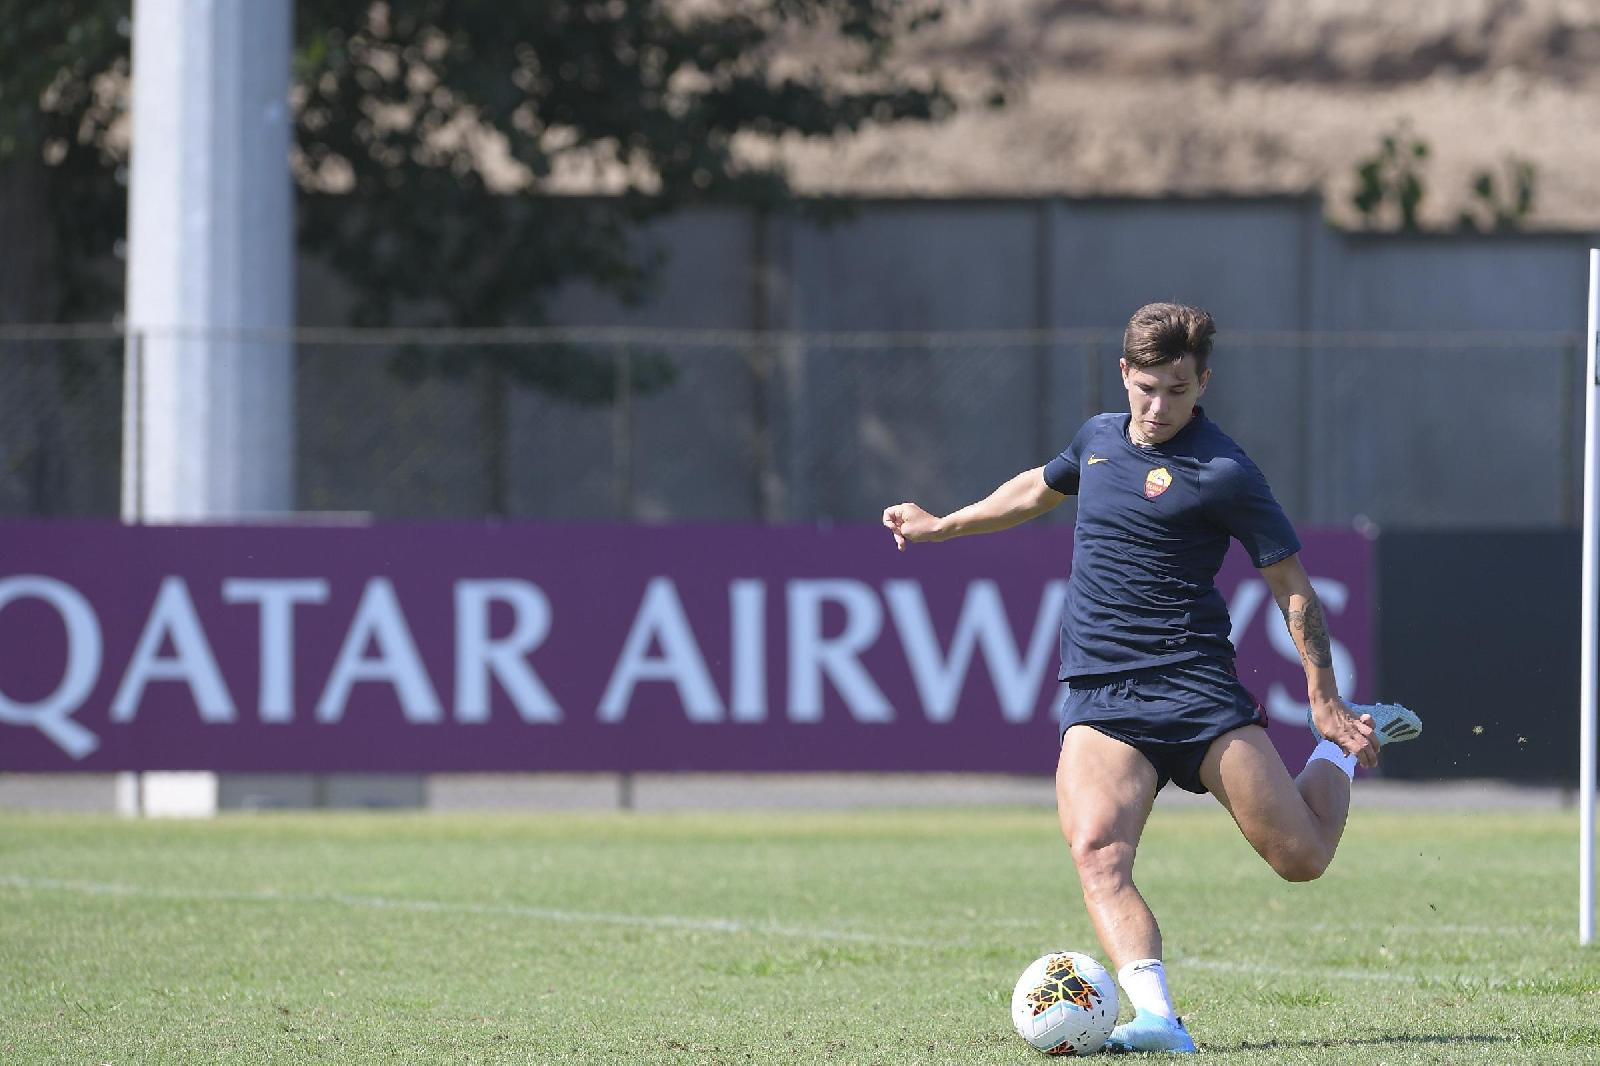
(1170, 713)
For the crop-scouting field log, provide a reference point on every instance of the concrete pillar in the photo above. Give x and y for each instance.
(209, 401)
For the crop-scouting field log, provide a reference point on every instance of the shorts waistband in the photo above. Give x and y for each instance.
(1089, 682)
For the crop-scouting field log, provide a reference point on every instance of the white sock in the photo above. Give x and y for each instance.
(1145, 981)
(1327, 749)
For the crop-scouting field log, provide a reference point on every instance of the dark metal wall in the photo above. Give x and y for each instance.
(1479, 633)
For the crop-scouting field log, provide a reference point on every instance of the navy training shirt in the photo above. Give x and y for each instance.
(1152, 530)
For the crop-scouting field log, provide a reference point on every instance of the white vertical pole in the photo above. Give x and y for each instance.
(1591, 530)
(208, 429)
(210, 267)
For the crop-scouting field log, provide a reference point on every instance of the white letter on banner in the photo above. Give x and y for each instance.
(1247, 599)
(276, 598)
(747, 601)
(380, 618)
(173, 615)
(477, 656)
(1284, 707)
(811, 656)
(661, 618)
(982, 624)
(50, 715)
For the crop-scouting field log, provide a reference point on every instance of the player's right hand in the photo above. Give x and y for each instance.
(909, 524)
(1336, 721)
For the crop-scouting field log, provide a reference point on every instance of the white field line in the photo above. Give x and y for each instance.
(506, 910)
(1260, 969)
(1493, 932)
(1498, 932)
(1346, 974)
(672, 922)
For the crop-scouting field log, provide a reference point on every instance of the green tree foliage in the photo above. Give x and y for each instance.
(399, 101)
(62, 210)
(395, 101)
(1389, 188)
(1501, 205)
(61, 68)
(657, 90)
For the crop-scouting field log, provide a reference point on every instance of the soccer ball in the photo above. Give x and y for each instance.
(1065, 1004)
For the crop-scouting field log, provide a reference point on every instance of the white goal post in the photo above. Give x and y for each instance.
(1586, 684)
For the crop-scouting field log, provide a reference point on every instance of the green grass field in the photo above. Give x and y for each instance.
(873, 937)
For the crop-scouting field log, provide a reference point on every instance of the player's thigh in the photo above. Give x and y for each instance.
(1104, 789)
(1244, 771)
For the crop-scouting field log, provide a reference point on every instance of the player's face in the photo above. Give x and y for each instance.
(1162, 398)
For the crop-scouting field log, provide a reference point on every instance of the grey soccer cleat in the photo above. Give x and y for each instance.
(1391, 723)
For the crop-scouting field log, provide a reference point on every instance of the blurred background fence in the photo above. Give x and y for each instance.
(1421, 430)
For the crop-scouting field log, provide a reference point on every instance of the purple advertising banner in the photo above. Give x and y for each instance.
(518, 647)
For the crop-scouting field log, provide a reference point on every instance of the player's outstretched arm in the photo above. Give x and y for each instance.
(1023, 497)
(1291, 587)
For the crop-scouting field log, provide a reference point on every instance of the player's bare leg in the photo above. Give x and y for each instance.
(1104, 792)
(1294, 824)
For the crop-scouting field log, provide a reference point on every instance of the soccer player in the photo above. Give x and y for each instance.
(1151, 692)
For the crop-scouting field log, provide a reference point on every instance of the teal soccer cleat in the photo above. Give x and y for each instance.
(1391, 723)
(1150, 1032)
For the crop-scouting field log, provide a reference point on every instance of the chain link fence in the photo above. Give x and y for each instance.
(1414, 430)
(60, 423)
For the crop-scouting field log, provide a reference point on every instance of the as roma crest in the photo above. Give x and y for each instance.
(1156, 482)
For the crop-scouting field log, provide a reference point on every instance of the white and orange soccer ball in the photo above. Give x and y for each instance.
(1065, 1004)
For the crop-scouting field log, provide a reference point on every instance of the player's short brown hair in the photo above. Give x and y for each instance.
(1165, 333)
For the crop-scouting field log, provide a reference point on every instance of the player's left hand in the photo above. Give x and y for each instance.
(1337, 722)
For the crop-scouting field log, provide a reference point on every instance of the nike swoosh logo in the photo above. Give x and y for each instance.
(1093, 459)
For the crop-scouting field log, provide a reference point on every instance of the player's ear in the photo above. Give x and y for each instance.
(1122, 364)
(1205, 379)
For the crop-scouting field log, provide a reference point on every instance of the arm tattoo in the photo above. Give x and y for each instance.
(1312, 628)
